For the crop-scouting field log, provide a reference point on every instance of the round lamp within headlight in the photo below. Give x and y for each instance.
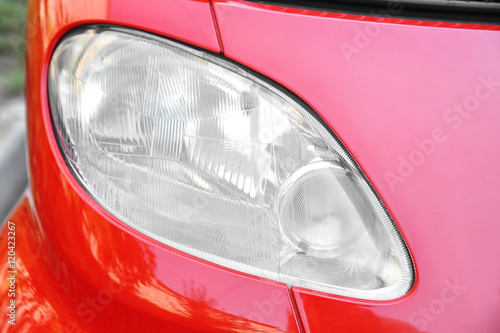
(322, 210)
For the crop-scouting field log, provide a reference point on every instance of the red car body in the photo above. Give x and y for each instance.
(417, 104)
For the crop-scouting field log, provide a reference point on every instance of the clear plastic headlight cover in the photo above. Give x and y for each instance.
(210, 158)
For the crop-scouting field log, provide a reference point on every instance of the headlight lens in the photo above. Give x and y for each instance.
(214, 160)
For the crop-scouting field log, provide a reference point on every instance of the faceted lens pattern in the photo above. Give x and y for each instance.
(204, 156)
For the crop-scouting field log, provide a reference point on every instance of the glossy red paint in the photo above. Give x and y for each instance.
(99, 278)
(389, 95)
(82, 270)
(188, 20)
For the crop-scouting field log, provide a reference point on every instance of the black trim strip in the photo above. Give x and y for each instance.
(480, 12)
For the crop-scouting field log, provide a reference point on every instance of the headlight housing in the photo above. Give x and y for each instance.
(211, 158)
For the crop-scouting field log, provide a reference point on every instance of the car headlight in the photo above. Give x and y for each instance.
(212, 159)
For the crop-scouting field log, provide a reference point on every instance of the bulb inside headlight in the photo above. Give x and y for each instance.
(212, 159)
(322, 211)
